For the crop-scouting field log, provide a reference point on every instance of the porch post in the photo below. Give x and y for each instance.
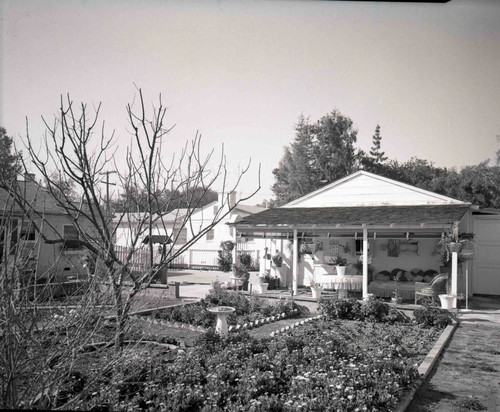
(295, 261)
(454, 276)
(235, 253)
(365, 262)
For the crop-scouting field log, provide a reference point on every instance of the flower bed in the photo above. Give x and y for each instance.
(248, 309)
(323, 365)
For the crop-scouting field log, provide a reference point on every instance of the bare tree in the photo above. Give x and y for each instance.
(78, 151)
(41, 338)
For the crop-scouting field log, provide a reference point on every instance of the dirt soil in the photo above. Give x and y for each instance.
(467, 376)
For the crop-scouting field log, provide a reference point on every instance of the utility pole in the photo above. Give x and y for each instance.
(107, 189)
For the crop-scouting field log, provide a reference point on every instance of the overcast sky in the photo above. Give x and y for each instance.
(241, 73)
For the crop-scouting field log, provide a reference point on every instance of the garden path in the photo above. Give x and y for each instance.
(467, 376)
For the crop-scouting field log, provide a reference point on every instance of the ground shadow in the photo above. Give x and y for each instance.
(427, 397)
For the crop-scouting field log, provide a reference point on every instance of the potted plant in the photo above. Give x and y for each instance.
(340, 264)
(453, 242)
(241, 276)
(246, 260)
(263, 284)
(227, 245)
(277, 260)
(460, 300)
(397, 299)
(448, 300)
(316, 290)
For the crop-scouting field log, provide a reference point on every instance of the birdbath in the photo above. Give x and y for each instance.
(222, 312)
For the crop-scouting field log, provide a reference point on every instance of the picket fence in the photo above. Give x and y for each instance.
(193, 258)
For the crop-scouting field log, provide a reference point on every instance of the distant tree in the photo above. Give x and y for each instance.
(334, 153)
(295, 175)
(479, 185)
(10, 164)
(376, 154)
(62, 187)
(268, 204)
(320, 153)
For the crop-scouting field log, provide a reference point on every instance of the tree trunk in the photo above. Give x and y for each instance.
(120, 319)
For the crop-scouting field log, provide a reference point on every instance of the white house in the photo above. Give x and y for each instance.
(181, 229)
(379, 225)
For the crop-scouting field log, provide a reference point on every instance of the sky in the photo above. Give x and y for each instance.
(241, 73)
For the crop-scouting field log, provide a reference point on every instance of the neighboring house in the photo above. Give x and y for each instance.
(18, 231)
(378, 225)
(203, 254)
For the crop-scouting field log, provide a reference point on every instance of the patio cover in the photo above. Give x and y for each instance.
(338, 217)
(425, 221)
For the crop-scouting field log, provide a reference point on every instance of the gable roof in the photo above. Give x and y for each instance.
(36, 197)
(357, 216)
(367, 189)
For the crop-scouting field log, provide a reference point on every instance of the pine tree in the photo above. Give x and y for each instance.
(376, 154)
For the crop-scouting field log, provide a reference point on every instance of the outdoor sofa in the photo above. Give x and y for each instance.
(384, 284)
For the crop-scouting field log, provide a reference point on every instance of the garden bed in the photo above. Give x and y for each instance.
(248, 309)
(334, 365)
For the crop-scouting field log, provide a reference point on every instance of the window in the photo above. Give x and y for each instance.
(210, 235)
(180, 235)
(28, 231)
(71, 237)
(359, 247)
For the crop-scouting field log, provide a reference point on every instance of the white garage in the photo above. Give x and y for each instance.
(486, 280)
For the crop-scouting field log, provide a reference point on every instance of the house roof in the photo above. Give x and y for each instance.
(354, 216)
(367, 189)
(36, 197)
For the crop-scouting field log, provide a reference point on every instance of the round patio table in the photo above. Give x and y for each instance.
(342, 283)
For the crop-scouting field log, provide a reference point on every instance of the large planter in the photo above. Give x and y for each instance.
(261, 288)
(340, 270)
(447, 301)
(316, 292)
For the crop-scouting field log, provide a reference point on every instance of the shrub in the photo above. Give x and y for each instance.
(248, 309)
(374, 311)
(225, 260)
(430, 316)
(339, 308)
(246, 260)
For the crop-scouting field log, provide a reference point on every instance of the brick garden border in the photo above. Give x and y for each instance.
(427, 365)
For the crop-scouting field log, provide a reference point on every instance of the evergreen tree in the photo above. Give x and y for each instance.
(295, 175)
(10, 164)
(320, 153)
(376, 154)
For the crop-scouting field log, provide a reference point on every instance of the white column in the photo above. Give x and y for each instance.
(454, 276)
(365, 262)
(235, 240)
(295, 258)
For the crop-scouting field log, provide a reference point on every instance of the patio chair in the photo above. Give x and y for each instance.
(431, 290)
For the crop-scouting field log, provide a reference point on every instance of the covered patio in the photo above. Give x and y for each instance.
(373, 238)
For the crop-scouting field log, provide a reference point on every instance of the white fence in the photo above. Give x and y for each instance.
(203, 258)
